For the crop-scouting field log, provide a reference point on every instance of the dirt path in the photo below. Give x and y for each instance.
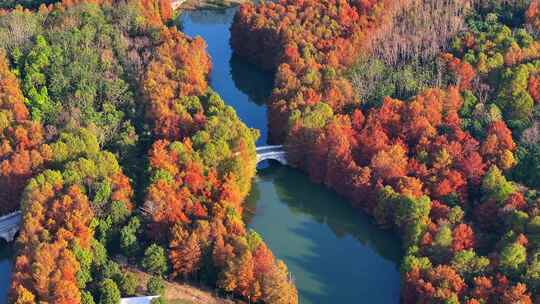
(180, 292)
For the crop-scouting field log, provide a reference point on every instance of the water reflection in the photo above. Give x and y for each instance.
(212, 17)
(326, 207)
(253, 82)
(247, 101)
(334, 252)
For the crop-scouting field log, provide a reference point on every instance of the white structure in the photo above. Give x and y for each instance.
(138, 300)
(9, 226)
(272, 152)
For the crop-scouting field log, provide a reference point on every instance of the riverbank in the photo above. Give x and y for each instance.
(330, 249)
(205, 4)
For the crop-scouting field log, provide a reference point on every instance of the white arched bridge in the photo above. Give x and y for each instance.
(10, 223)
(272, 152)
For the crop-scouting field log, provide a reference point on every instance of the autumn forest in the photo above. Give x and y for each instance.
(423, 114)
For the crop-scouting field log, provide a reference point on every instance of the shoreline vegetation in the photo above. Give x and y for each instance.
(179, 5)
(87, 88)
(440, 148)
(422, 126)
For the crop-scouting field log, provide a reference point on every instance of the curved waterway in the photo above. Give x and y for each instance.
(335, 253)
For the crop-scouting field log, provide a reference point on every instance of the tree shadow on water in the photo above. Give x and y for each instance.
(327, 207)
(345, 271)
(251, 80)
(346, 258)
(210, 16)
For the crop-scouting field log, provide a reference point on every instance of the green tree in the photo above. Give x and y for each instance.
(517, 220)
(495, 186)
(533, 226)
(468, 264)
(443, 238)
(528, 167)
(159, 300)
(87, 298)
(411, 261)
(442, 243)
(532, 273)
(110, 270)
(456, 215)
(512, 259)
(514, 99)
(34, 81)
(412, 214)
(109, 292)
(155, 286)
(128, 284)
(118, 212)
(84, 257)
(99, 253)
(128, 237)
(155, 260)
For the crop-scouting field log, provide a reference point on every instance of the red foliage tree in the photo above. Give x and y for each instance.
(516, 294)
(498, 144)
(179, 70)
(46, 266)
(462, 238)
(22, 152)
(184, 253)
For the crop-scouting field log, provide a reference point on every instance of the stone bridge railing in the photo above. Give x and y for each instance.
(276, 153)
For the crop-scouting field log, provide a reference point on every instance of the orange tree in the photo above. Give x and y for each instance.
(433, 167)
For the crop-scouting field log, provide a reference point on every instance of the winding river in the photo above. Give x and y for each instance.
(335, 254)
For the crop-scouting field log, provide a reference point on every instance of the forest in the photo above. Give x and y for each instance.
(424, 114)
(114, 145)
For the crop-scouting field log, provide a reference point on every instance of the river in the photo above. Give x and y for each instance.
(335, 253)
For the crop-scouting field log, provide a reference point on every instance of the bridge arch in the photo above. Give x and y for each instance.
(9, 226)
(276, 153)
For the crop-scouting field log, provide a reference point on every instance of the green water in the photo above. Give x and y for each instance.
(335, 254)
